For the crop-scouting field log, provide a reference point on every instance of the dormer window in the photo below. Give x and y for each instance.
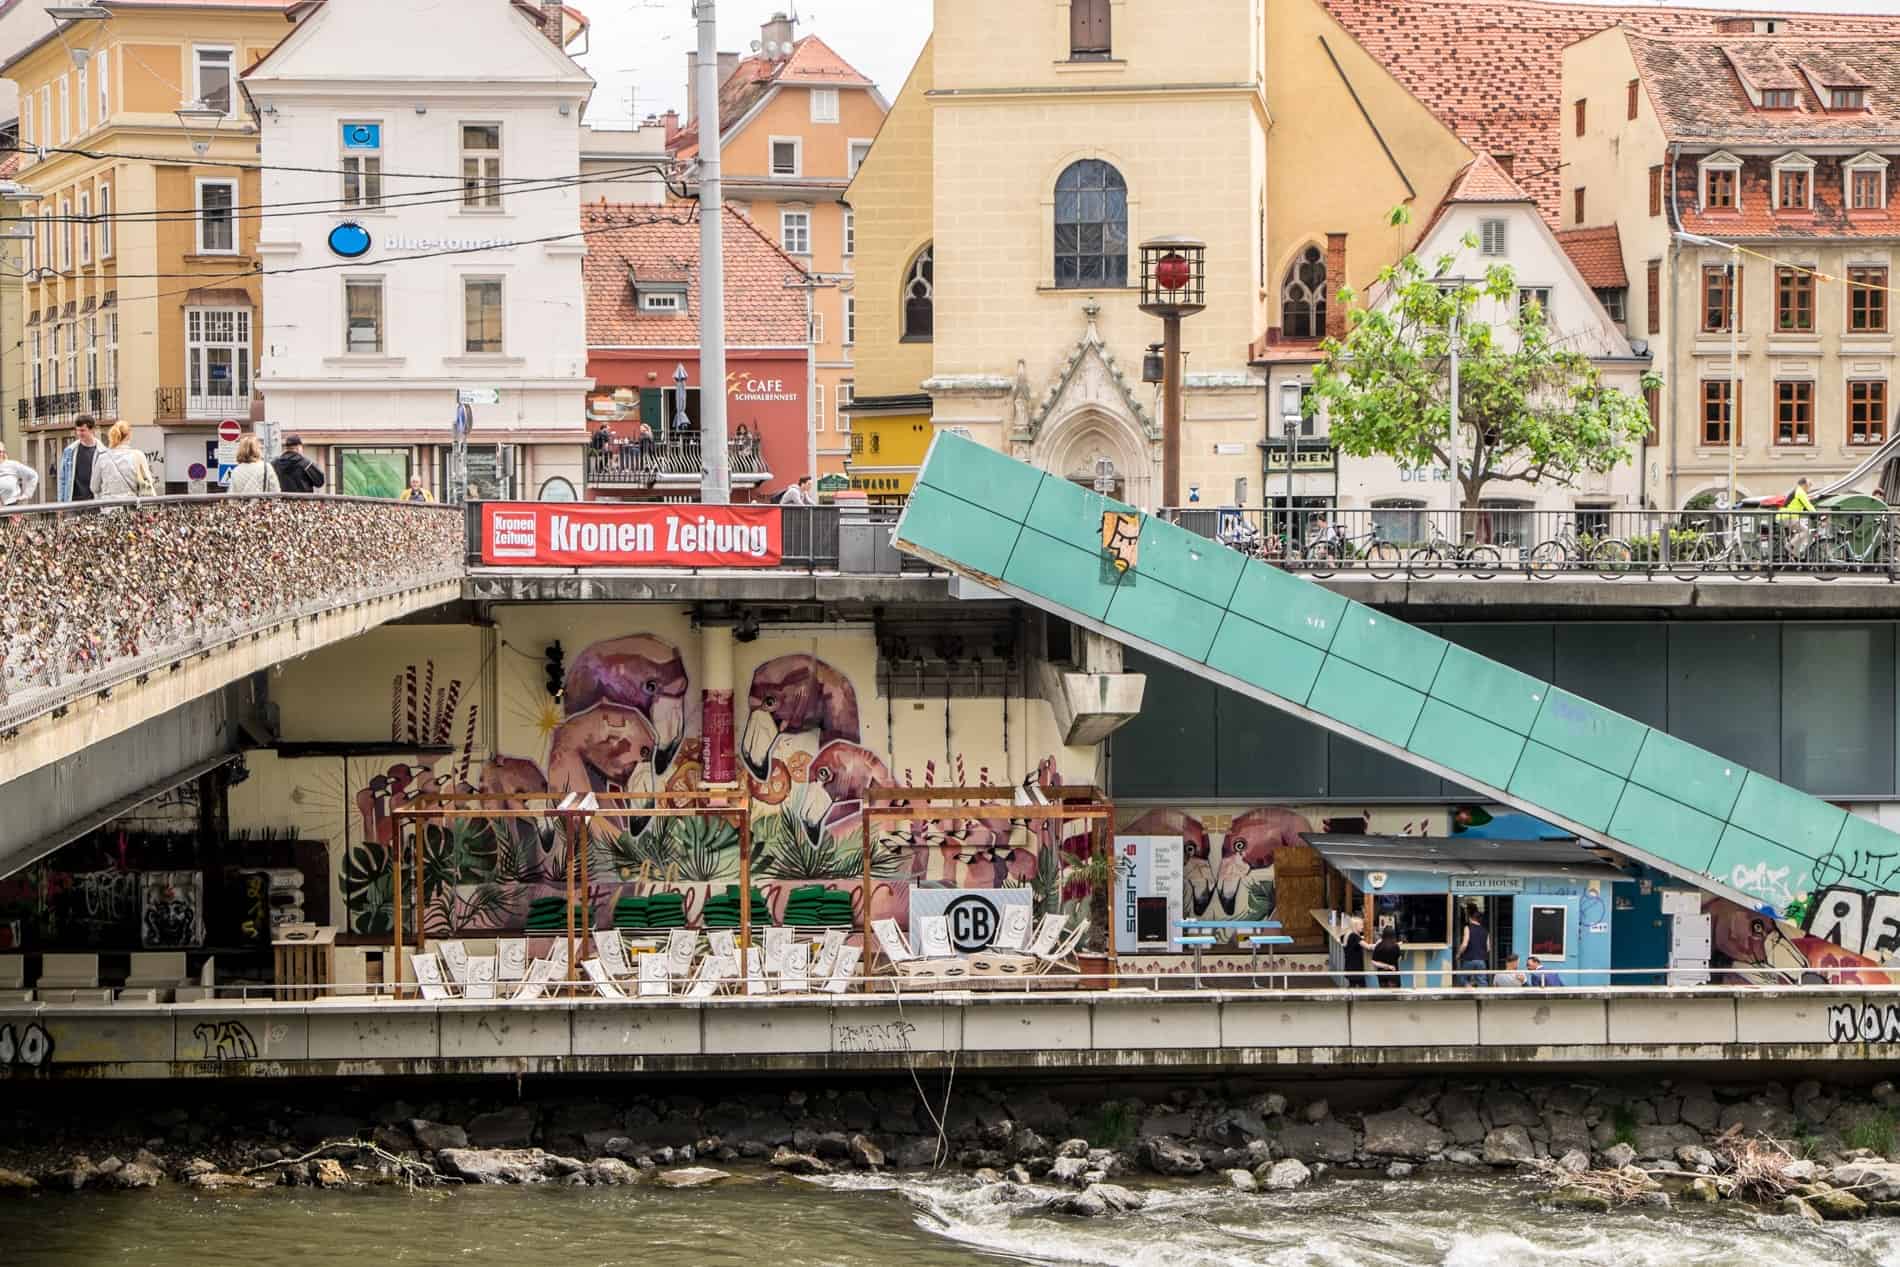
(1794, 183)
(1777, 99)
(1721, 182)
(1866, 178)
(1847, 99)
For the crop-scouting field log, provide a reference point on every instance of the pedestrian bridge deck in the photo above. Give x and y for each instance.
(1343, 665)
(1337, 1030)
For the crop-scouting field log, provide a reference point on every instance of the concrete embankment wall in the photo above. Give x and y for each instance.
(1127, 1030)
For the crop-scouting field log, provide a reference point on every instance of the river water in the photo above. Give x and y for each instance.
(935, 1223)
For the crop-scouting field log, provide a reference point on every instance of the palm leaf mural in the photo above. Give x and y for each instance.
(704, 849)
(368, 888)
(1262, 896)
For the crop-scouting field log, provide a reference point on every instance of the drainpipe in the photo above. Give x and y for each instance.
(1669, 382)
(811, 383)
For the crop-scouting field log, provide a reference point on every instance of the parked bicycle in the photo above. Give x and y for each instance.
(1569, 551)
(1332, 548)
(1482, 561)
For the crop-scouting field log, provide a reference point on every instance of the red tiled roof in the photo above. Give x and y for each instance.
(1758, 218)
(765, 305)
(1483, 180)
(1598, 255)
(813, 62)
(1492, 70)
(1697, 88)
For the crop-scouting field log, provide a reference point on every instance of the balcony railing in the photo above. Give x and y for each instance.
(629, 463)
(178, 404)
(57, 409)
(1749, 543)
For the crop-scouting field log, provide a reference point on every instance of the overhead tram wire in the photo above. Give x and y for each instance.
(334, 206)
(207, 161)
(689, 215)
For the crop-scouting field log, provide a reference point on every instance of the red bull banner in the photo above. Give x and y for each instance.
(548, 534)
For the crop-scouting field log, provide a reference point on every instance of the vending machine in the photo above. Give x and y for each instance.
(1147, 888)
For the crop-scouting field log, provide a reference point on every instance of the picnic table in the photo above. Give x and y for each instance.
(1251, 933)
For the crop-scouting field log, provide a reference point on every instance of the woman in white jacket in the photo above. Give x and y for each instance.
(121, 471)
(253, 473)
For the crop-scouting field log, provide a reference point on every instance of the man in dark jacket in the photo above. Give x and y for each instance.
(295, 472)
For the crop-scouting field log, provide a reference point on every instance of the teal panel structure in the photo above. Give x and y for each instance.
(1297, 647)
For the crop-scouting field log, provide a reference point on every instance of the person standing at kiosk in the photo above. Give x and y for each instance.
(1474, 948)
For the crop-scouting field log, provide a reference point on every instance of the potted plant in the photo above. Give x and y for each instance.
(1086, 884)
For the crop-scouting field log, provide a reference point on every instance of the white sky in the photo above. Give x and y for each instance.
(641, 45)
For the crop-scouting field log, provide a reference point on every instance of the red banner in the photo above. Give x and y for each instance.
(596, 534)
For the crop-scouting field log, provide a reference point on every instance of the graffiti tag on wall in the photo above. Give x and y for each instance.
(1861, 923)
(1863, 1023)
(225, 1040)
(31, 1048)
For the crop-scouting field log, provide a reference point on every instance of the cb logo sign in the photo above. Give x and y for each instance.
(973, 922)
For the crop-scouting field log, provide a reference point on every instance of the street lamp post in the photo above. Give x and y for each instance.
(716, 476)
(1173, 286)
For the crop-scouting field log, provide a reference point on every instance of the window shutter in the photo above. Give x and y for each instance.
(1655, 191)
(653, 407)
(1088, 27)
(1654, 296)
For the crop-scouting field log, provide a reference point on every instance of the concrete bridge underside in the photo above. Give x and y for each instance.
(1037, 1032)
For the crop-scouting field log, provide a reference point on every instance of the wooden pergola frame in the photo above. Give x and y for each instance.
(920, 804)
(576, 813)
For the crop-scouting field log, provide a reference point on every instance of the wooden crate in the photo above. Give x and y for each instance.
(305, 961)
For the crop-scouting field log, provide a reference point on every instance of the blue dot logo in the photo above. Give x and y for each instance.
(349, 241)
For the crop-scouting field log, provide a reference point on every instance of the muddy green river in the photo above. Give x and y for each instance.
(792, 1223)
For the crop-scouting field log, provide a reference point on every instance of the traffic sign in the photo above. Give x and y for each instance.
(227, 452)
(479, 396)
(229, 431)
(225, 471)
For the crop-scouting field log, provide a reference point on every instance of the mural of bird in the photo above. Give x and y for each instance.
(795, 695)
(641, 673)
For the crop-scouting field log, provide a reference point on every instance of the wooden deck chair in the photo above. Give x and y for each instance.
(481, 977)
(1012, 934)
(654, 983)
(714, 972)
(557, 955)
(778, 943)
(795, 972)
(1062, 958)
(455, 960)
(511, 968)
(755, 979)
(1048, 933)
(428, 970)
(723, 943)
(603, 984)
(540, 972)
(843, 968)
(935, 950)
(682, 944)
(825, 957)
(612, 953)
(891, 946)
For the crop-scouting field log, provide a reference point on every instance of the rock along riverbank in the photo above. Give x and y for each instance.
(1821, 1152)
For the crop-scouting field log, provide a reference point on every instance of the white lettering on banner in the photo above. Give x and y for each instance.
(753, 390)
(513, 536)
(683, 536)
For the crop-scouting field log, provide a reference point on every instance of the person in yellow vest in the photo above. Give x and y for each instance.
(1796, 520)
(415, 492)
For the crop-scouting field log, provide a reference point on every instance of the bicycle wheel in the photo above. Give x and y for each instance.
(1484, 561)
(1692, 557)
(1423, 561)
(1548, 560)
(1383, 559)
(1322, 558)
(1613, 558)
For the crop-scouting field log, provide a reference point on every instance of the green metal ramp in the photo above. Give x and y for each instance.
(1304, 650)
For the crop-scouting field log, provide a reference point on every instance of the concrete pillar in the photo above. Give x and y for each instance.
(719, 765)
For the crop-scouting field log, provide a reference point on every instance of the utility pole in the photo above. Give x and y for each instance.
(1457, 489)
(716, 475)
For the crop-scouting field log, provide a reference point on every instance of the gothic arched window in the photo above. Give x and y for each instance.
(1303, 297)
(1091, 226)
(920, 285)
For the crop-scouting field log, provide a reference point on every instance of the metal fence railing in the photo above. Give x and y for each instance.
(1608, 544)
(631, 463)
(93, 593)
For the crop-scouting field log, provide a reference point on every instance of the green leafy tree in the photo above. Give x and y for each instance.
(1531, 410)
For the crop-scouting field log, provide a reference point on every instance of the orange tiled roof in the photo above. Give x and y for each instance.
(813, 62)
(1598, 255)
(1492, 70)
(765, 305)
(1483, 180)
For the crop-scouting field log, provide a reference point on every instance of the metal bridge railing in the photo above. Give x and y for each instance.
(1690, 545)
(94, 593)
